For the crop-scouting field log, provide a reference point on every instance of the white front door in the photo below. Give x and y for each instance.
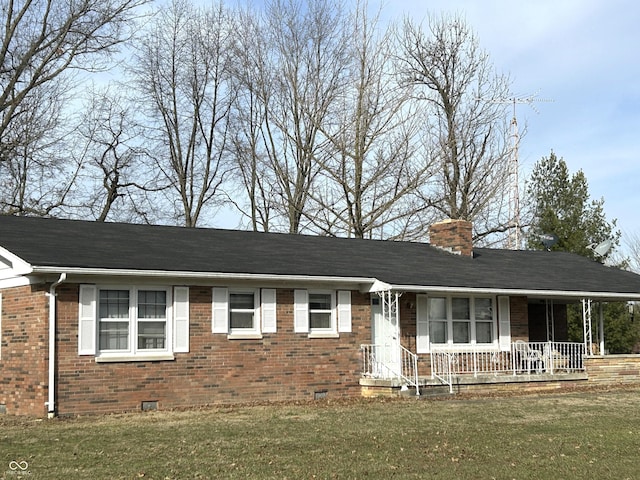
(386, 337)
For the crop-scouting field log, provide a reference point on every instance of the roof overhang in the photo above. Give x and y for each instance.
(191, 277)
(364, 284)
(550, 294)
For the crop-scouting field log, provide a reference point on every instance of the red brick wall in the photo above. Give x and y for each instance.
(24, 350)
(280, 366)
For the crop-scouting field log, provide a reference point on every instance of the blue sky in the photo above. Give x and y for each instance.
(583, 55)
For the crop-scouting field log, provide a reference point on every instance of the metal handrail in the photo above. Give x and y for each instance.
(409, 368)
(375, 366)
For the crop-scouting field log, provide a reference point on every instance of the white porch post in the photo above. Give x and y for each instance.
(586, 320)
(601, 329)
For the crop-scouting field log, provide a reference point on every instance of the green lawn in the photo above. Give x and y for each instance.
(583, 434)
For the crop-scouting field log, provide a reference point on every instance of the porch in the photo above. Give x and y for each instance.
(387, 368)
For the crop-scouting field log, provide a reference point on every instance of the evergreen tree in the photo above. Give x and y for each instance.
(562, 206)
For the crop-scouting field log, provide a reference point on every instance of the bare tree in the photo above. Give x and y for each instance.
(375, 167)
(300, 77)
(183, 71)
(36, 178)
(42, 42)
(468, 133)
(115, 179)
(256, 187)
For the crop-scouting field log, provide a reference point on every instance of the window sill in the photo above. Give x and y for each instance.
(244, 336)
(135, 358)
(323, 335)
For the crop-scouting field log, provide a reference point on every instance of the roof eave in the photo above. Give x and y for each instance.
(531, 293)
(193, 275)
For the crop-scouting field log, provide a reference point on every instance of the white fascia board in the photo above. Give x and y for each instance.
(12, 265)
(21, 281)
(605, 296)
(188, 275)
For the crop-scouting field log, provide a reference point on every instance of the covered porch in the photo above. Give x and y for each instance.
(516, 354)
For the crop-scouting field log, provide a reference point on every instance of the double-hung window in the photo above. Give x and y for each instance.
(130, 322)
(152, 319)
(243, 312)
(114, 320)
(133, 320)
(455, 320)
(322, 313)
(321, 318)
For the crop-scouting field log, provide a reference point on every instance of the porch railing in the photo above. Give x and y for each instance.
(381, 361)
(386, 362)
(523, 357)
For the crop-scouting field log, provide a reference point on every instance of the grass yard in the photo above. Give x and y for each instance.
(583, 434)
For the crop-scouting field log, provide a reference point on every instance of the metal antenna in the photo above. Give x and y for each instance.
(514, 239)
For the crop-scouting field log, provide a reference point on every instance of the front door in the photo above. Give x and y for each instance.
(386, 336)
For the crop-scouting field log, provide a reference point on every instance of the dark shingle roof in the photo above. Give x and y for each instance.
(91, 245)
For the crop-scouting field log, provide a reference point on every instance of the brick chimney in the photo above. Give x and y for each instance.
(454, 235)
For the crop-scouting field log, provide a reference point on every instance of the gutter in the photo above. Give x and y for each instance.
(604, 296)
(367, 284)
(272, 277)
(51, 403)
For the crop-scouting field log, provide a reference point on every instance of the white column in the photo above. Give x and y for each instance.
(601, 329)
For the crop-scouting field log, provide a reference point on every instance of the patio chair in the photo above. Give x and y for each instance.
(529, 359)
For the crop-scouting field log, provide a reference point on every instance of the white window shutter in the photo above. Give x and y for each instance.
(344, 311)
(268, 310)
(422, 324)
(181, 319)
(301, 311)
(504, 323)
(87, 320)
(220, 315)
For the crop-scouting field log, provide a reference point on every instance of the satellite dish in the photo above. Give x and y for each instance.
(548, 240)
(602, 248)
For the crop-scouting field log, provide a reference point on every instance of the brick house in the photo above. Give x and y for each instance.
(108, 317)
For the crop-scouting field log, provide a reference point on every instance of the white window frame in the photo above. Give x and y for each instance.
(332, 328)
(264, 312)
(255, 328)
(133, 351)
(423, 323)
(341, 313)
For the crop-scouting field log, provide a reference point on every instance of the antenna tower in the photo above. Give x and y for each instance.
(514, 240)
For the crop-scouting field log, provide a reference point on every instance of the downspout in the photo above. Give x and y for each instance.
(51, 403)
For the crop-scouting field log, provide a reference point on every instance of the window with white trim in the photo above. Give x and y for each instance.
(129, 322)
(243, 312)
(133, 320)
(322, 312)
(455, 320)
(321, 308)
